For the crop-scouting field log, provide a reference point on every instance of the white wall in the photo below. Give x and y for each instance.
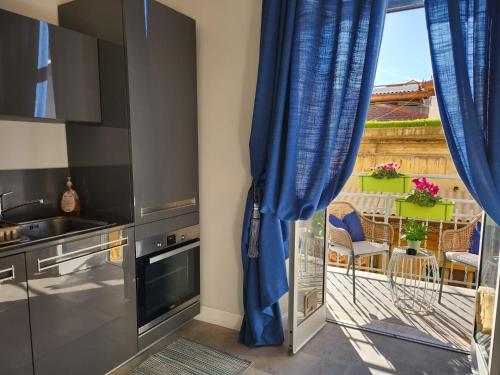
(45, 10)
(29, 145)
(434, 108)
(228, 33)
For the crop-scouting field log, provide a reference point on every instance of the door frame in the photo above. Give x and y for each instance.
(301, 334)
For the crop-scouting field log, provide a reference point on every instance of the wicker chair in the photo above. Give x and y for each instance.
(455, 244)
(378, 238)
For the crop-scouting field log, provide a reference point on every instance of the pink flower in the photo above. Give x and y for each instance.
(423, 184)
(391, 167)
(388, 166)
(433, 189)
(420, 184)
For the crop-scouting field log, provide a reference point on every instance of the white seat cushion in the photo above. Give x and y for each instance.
(362, 248)
(469, 259)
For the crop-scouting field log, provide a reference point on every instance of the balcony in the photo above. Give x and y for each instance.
(381, 207)
(448, 324)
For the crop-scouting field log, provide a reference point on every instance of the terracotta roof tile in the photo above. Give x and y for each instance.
(392, 112)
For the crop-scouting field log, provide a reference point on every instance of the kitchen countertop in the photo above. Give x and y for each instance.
(24, 247)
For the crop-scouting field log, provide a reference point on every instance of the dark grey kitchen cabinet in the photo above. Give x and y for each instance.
(161, 57)
(47, 72)
(83, 304)
(15, 343)
(159, 45)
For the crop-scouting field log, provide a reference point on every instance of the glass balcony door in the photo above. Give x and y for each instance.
(307, 294)
(486, 345)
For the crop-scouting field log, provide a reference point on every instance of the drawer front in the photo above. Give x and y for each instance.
(15, 343)
(83, 305)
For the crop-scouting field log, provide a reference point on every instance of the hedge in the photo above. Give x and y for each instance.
(403, 124)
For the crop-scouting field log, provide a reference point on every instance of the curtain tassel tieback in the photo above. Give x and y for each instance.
(253, 247)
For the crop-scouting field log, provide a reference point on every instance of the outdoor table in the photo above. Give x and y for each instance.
(413, 280)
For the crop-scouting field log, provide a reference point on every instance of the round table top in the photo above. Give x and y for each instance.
(421, 254)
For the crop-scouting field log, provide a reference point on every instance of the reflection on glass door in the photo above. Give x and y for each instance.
(311, 267)
(486, 296)
(307, 279)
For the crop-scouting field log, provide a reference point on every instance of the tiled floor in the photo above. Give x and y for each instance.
(450, 323)
(335, 350)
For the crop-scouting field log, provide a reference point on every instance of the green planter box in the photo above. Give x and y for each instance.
(369, 184)
(441, 211)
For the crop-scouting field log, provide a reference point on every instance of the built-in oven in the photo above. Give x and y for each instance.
(168, 281)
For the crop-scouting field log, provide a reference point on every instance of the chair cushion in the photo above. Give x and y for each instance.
(362, 248)
(338, 223)
(351, 224)
(466, 258)
(476, 237)
(355, 229)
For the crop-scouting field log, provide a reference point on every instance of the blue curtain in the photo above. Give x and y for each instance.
(464, 38)
(316, 71)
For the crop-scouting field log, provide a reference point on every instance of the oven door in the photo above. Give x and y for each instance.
(167, 282)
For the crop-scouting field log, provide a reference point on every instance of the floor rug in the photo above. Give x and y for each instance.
(187, 357)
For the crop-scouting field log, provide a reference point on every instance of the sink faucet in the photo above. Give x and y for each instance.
(2, 210)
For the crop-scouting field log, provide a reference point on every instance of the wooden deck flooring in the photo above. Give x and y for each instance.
(449, 324)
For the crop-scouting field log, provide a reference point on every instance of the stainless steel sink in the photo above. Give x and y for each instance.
(58, 226)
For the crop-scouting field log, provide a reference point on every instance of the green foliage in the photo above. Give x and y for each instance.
(318, 223)
(423, 198)
(414, 231)
(403, 124)
(385, 173)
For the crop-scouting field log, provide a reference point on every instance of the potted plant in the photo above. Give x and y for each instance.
(318, 224)
(424, 202)
(385, 178)
(414, 233)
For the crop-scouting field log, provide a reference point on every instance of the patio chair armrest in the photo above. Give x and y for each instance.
(456, 239)
(383, 232)
(339, 237)
(377, 231)
(459, 239)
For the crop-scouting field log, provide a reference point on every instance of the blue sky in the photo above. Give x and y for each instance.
(404, 54)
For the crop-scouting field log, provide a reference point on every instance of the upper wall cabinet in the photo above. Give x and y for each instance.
(159, 64)
(161, 58)
(47, 72)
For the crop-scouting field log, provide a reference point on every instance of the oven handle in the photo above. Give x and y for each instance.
(121, 242)
(12, 274)
(169, 254)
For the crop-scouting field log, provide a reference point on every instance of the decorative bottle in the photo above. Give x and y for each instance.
(70, 202)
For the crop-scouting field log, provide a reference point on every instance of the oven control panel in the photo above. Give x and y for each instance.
(165, 240)
(171, 239)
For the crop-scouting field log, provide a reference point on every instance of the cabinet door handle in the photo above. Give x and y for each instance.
(121, 242)
(168, 206)
(12, 276)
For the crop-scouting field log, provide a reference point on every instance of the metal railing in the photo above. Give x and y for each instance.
(380, 207)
